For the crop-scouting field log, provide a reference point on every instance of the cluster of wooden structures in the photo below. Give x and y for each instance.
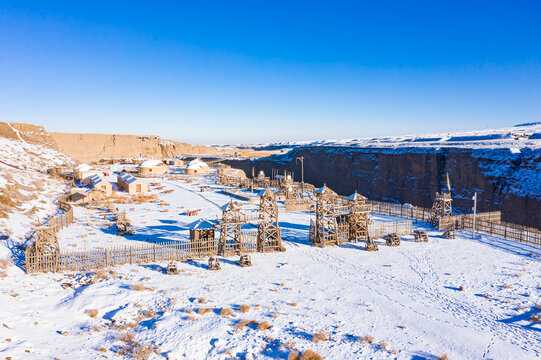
(233, 234)
(340, 220)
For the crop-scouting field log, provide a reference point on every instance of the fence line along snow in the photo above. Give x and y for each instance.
(38, 262)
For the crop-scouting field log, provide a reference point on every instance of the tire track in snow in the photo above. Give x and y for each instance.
(194, 192)
(428, 297)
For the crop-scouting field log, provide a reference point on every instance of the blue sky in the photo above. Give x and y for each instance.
(233, 71)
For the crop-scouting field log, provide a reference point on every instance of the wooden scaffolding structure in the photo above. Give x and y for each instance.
(268, 231)
(441, 208)
(233, 219)
(359, 211)
(326, 229)
(46, 240)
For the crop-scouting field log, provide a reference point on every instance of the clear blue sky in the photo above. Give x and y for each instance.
(258, 71)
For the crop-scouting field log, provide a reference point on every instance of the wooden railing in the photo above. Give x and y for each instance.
(64, 261)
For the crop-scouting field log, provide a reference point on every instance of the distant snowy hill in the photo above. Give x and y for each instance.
(514, 138)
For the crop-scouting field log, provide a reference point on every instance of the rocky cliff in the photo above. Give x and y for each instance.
(504, 180)
(94, 147)
(26, 132)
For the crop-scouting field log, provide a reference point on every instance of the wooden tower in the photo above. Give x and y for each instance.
(268, 231)
(202, 240)
(230, 230)
(326, 225)
(441, 207)
(46, 240)
(359, 211)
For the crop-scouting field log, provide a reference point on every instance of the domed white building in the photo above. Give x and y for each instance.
(197, 167)
(151, 167)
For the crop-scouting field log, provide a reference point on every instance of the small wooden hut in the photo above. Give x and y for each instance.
(202, 238)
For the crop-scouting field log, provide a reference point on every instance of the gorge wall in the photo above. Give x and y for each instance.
(504, 180)
(94, 147)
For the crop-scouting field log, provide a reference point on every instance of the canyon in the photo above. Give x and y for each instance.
(504, 180)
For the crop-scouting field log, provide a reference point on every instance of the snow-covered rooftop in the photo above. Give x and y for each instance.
(196, 164)
(84, 167)
(151, 163)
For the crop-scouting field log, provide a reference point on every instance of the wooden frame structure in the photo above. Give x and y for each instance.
(268, 231)
(326, 226)
(359, 211)
(441, 208)
(233, 219)
(46, 240)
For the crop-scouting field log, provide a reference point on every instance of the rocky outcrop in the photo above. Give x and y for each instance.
(26, 132)
(504, 180)
(94, 147)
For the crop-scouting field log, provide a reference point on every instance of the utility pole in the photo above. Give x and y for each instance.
(301, 158)
(474, 198)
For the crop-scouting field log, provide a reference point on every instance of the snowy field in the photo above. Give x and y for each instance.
(513, 138)
(469, 299)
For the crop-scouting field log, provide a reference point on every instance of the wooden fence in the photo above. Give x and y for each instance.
(402, 210)
(132, 254)
(489, 223)
(380, 229)
(63, 220)
(509, 231)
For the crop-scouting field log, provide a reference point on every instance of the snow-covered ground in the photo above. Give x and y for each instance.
(513, 138)
(409, 298)
(22, 180)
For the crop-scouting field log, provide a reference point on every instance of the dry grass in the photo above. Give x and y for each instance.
(6, 201)
(383, 345)
(293, 304)
(310, 355)
(244, 308)
(104, 274)
(443, 357)
(92, 313)
(126, 337)
(203, 311)
(294, 355)
(320, 336)
(536, 318)
(191, 318)
(262, 326)
(368, 339)
(201, 300)
(226, 312)
(102, 349)
(243, 323)
(140, 287)
(149, 313)
(5, 263)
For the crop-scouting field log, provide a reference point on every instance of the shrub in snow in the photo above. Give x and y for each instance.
(262, 326)
(320, 336)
